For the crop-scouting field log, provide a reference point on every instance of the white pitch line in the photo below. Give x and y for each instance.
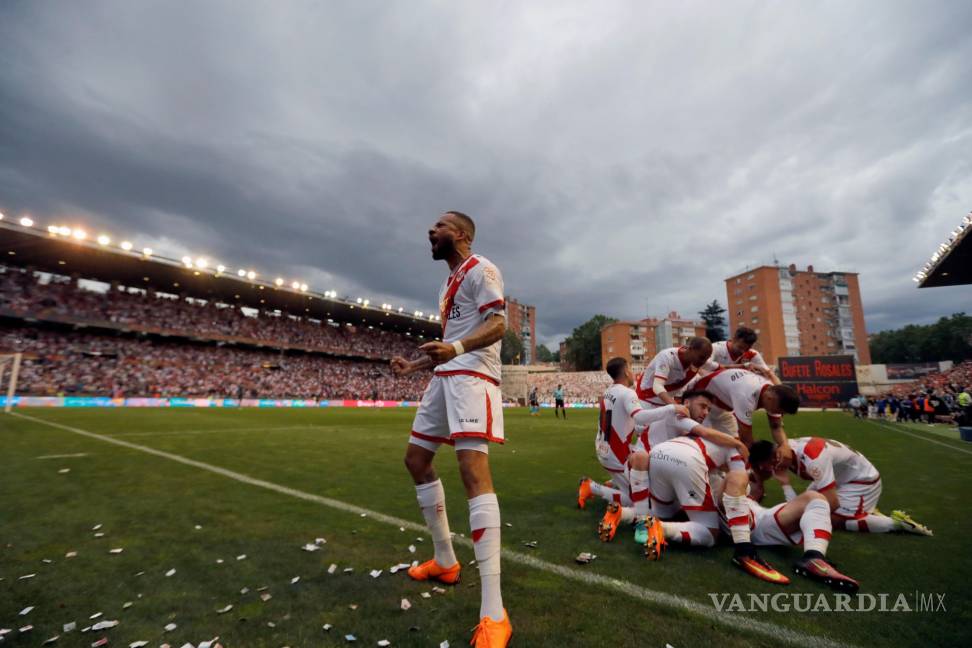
(664, 599)
(63, 456)
(923, 438)
(217, 430)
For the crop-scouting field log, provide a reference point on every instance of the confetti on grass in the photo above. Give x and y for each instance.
(406, 605)
(224, 610)
(332, 568)
(26, 610)
(169, 573)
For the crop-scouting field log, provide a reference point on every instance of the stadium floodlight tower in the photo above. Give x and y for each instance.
(13, 361)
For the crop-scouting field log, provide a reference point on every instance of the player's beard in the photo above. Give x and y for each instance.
(443, 248)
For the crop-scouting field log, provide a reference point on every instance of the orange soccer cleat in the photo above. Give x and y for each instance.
(608, 525)
(431, 570)
(756, 566)
(655, 544)
(492, 634)
(584, 492)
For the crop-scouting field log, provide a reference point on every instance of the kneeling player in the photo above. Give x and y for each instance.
(849, 482)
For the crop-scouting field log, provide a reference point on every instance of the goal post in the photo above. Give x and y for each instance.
(9, 372)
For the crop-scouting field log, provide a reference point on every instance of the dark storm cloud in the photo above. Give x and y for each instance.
(619, 158)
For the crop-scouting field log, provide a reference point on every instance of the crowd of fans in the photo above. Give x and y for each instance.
(943, 397)
(25, 293)
(579, 386)
(65, 364)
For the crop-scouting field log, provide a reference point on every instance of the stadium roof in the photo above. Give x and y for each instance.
(61, 253)
(951, 264)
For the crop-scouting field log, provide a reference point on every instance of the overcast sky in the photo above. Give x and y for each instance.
(618, 157)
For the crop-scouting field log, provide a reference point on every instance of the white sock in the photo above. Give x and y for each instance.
(627, 514)
(431, 499)
(737, 513)
(484, 522)
(639, 492)
(604, 492)
(873, 523)
(816, 527)
(688, 533)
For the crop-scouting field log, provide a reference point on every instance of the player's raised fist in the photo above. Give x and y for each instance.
(438, 351)
(400, 366)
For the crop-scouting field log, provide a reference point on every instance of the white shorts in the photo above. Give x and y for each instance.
(766, 529)
(855, 501)
(461, 410)
(618, 471)
(723, 421)
(679, 481)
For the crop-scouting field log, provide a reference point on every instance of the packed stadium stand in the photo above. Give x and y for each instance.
(579, 386)
(85, 330)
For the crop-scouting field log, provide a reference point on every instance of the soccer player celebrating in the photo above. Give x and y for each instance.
(850, 483)
(462, 406)
(670, 370)
(738, 353)
(559, 402)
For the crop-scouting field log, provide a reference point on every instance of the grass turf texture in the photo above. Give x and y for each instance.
(150, 505)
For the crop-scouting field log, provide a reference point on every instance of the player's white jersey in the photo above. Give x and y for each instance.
(669, 427)
(668, 366)
(468, 296)
(736, 391)
(616, 425)
(722, 356)
(827, 463)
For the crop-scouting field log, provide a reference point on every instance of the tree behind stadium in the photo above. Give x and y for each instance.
(715, 322)
(950, 338)
(584, 343)
(512, 349)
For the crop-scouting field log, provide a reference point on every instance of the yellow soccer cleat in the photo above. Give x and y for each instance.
(608, 525)
(492, 634)
(431, 570)
(906, 523)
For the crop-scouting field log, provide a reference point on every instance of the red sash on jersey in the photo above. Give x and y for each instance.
(703, 385)
(452, 288)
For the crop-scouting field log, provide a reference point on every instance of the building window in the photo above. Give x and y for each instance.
(754, 309)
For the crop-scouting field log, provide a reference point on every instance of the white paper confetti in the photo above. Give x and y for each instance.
(71, 554)
(101, 642)
(271, 624)
(353, 606)
(375, 573)
(69, 627)
(444, 644)
(47, 561)
(198, 527)
(266, 596)
(350, 638)
(426, 595)
(169, 627)
(117, 550)
(26, 628)
(224, 610)
(171, 572)
(411, 548)
(53, 639)
(138, 644)
(509, 525)
(99, 535)
(95, 615)
(364, 515)
(406, 605)
(104, 625)
(96, 527)
(438, 590)
(384, 642)
(332, 568)
(327, 627)
(26, 610)
(348, 570)
(320, 541)
(63, 471)
(244, 590)
(311, 547)
(219, 561)
(241, 557)
(295, 580)
(26, 576)
(127, 604)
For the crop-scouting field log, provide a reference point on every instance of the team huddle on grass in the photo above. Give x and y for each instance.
(685, 469)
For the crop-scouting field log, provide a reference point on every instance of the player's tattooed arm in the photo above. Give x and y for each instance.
(402, 367)
(490, 331)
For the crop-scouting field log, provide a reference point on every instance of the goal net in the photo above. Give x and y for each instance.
(9, 371)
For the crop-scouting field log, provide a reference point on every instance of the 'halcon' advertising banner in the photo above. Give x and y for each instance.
(821, 381)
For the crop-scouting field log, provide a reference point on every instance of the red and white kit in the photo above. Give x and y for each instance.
(463, 399)
(722, 356)
(737, 393)
(668, 366)
(830, 464)
(679, 477)
(765, 529)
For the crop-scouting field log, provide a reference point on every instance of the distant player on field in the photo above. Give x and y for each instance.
(462, 406)
(843, 476)
(559, 402)
(738, 353)
(534, 402)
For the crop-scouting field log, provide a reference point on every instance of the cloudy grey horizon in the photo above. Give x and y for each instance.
(621, 158)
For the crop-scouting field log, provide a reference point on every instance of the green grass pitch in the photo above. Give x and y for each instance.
(150, 506)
